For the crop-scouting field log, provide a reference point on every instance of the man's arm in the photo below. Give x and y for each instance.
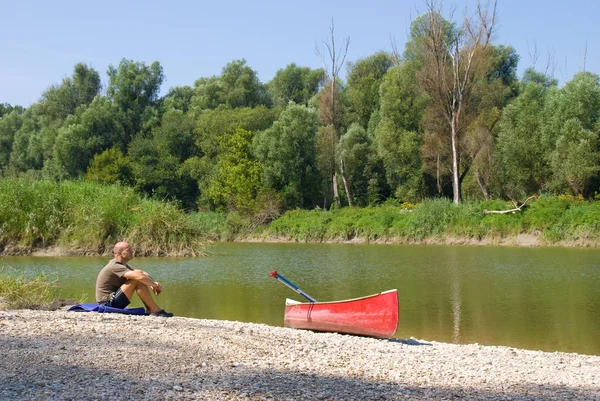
(144, 278)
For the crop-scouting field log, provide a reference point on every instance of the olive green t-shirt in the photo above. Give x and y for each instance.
(110, 279)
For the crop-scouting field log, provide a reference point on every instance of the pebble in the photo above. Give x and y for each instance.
(65, 355)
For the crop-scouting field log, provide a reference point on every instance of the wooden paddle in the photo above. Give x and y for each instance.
(294, 287)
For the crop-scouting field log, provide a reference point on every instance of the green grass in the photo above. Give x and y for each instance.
(18, 291)
(553, 219)
(88, 218)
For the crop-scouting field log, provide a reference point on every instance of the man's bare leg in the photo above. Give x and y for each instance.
(143, 292)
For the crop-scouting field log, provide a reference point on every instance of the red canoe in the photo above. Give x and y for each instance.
(374, 315)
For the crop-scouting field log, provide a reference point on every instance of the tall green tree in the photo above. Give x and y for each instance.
(363, 166)
(158, 161)
(61, 101)
(570, 126)
(33, 142)
(91, 131)
(6, 109)
(237, 86)
(295, 84)
(491, 94)
(134, 88)
(237, 180)
(520, 152)
(287, 152)
(210, 128)
(361, 93)
(575, 160)
(9, 125)
(398, 134)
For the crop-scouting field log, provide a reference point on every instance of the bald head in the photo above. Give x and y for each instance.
(123, 252)
(119, 246)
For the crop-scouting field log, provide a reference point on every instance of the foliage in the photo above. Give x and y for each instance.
(134, 87)
(520, 151)
(91, 131)
(363, 166)
(362, 90)
(393, 130)
(295, 84)
(110, 167)
(287, 153)
(237, 179)
(237, 86)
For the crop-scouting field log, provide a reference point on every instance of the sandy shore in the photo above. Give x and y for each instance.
(88, 356)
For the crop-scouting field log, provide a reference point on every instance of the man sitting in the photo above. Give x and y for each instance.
(117, 282)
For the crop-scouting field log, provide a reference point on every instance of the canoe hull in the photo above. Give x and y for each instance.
(374, 316)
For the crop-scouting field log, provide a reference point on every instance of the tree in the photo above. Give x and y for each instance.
(61, 101)
(237, 179)
(34, 140)
(210, 127)
(238, 86)
(398, 134)
(491, 94)
(330, 112)
(363, 166)
(295, 84)
(91, 131)
(570, 124)
(519, 148)
(179, 98)
(6, 109)
(9, 125)
(110, 167)
(362, 90)
(287, 152)
(575, 160)
(134, 88)
(452, 61)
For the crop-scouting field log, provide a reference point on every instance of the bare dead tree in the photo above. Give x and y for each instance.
(533, 54)
(453, 61)
(328, 107)
(585, 55)
(551, 63)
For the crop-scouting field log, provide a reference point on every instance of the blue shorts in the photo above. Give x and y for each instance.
(117, 300)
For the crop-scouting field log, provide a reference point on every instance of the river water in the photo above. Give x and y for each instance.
(533, 298)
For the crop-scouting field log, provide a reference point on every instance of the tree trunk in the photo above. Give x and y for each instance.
(346, 185)
(486, 192)
(439, 175)
(455, 163)
(336, 194)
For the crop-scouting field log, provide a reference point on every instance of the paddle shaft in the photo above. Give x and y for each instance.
(291, 285)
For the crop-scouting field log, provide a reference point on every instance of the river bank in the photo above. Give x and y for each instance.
(66, 355)
(520, 240)
(81, 218)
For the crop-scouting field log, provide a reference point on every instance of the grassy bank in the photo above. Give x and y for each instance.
(87, 218)
(550, 220)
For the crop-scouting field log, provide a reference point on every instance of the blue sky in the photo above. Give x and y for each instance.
(43, 40)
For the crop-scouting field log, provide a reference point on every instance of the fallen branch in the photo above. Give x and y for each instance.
(516, 209)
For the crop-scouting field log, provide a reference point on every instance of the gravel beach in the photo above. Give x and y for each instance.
(59, 355)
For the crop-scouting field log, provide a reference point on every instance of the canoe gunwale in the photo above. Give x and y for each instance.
(294, 302)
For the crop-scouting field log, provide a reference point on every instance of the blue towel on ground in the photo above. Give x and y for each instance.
(106, 309)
